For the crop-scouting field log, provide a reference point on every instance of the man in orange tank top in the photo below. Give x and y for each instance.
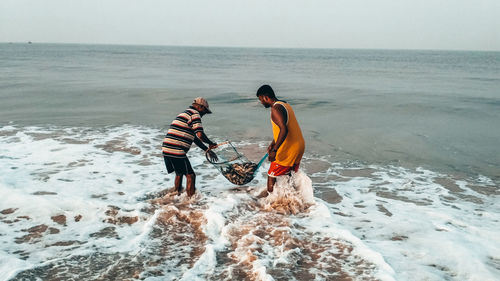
(288, 145)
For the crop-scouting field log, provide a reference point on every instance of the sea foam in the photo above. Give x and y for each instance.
(90, 203)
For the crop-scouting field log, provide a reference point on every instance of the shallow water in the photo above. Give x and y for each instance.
(90, 204)
(400, 180)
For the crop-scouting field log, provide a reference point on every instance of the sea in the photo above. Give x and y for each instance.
(400, 179)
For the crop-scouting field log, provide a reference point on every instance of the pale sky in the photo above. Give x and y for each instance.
(373, 24)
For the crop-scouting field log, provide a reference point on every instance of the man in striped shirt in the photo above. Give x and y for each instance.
(184, 130)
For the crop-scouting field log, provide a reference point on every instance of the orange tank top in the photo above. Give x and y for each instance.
(292, 149)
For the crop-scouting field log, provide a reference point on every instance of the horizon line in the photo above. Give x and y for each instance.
(245, 47)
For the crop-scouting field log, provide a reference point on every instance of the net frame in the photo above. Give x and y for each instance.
(234, 166)
(220, 155)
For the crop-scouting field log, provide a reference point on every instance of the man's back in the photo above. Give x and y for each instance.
(181, 133)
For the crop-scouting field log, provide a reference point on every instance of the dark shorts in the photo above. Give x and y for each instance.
(180, 166)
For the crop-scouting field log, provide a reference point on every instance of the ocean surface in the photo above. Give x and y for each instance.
(400, 179)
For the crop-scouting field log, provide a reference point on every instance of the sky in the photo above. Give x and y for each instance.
(363, 24)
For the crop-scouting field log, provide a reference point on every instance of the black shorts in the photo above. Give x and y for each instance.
(180, 166)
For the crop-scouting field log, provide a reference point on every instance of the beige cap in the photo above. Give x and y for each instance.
(202, 101)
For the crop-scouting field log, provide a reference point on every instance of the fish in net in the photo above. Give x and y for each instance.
(233, 165)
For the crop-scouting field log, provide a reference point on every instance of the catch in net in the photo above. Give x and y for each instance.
(233, 165)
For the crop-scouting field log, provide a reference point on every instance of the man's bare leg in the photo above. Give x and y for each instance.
(178, 184)
(270, 184)
(190, 184)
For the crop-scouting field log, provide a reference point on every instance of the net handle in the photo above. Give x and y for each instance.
(219, 144)
(260, 163)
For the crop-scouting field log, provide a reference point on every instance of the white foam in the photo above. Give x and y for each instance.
(294, 193)
(303, 184)
(320, 221)
(431, 233)
(204, 266)
(214, 229)
(72, 173)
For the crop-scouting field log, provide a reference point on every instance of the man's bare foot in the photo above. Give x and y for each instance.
(190, 191)
(263, 194)
(179, 191)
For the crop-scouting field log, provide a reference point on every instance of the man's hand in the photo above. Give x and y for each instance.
(272, 155)
(270, 147)
(212, 146)
(212, 156)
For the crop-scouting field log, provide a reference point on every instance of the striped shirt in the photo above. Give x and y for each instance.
(181, 133)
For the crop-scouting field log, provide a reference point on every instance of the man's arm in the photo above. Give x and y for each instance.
(279, 117)
(212, 155)
(270, 146)
(200, 144)
(203, 137)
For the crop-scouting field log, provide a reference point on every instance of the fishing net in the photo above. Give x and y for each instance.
(232, 164)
